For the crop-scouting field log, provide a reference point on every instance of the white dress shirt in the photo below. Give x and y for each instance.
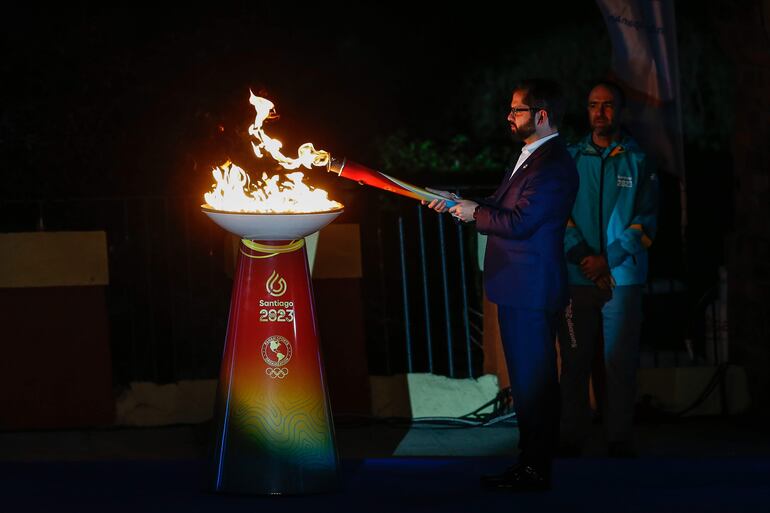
(529, 149)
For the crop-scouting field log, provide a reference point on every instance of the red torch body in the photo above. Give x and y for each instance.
(365, 176)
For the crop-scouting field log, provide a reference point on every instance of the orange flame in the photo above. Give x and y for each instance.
(233, 190)
(307, 155)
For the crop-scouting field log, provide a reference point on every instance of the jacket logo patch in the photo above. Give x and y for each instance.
(625, 181)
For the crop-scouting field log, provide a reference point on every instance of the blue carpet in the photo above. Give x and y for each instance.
(398, 485)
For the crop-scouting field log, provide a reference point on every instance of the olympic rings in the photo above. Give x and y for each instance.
(277, 372)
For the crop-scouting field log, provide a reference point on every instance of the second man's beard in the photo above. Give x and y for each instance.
(604, 130)
(523, 132)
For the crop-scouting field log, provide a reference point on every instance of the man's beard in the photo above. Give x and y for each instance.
(521, 133)
(605, 130)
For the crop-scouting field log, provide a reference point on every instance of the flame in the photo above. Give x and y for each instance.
(307, 155)
(233, 190)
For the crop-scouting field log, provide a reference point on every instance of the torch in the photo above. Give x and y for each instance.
(365, 176)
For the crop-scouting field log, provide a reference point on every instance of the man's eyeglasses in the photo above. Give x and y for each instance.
(515, 111)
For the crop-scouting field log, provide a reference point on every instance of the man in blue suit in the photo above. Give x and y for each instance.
(525, 272)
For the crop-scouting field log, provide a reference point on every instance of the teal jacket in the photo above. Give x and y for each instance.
(615, 212)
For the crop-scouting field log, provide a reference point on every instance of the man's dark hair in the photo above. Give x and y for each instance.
(617, 91)
(541, 93)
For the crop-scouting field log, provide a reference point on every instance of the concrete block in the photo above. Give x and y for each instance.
(440, 396)
(429, 395)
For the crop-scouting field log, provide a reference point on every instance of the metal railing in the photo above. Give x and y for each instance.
(424, 294)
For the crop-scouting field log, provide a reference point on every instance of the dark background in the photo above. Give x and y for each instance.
(126, 103)
(103, 101)
(137, 101)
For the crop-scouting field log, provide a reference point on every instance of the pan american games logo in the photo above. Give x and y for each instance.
(276, 352)
(275, 285)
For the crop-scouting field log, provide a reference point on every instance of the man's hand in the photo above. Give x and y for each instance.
(440, 205)
(463, 210)
(605, 282)
(594, 267)
(437, 205)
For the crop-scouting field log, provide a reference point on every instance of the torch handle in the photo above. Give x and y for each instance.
(364, 175)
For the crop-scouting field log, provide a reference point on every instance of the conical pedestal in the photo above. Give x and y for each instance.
(274, 431)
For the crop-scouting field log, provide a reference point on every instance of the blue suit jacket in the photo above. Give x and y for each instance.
(525, 219)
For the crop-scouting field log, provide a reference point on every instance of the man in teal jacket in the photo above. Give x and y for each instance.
(612, 224)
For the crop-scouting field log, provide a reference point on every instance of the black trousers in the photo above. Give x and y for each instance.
(529, 342)
(611, 322)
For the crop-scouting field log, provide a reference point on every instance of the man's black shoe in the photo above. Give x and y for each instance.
(520, 478)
